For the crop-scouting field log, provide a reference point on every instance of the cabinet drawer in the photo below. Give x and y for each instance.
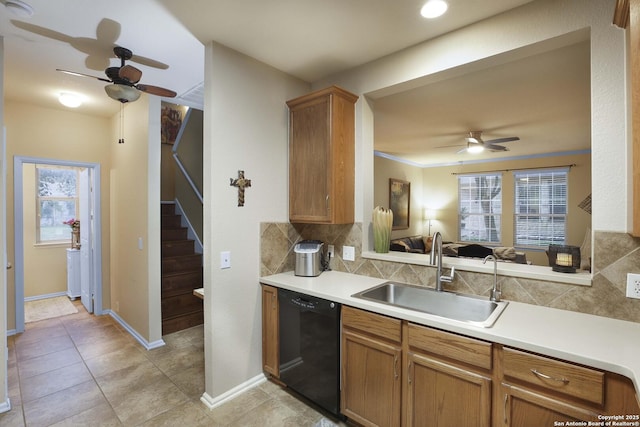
(572, 380)
(371, 323)
(464, 349)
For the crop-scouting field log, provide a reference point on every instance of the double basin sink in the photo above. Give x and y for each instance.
(468, 309)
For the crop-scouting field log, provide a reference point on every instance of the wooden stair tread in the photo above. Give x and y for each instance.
(181, 274)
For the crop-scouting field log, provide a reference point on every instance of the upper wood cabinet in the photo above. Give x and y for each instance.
(322, 157)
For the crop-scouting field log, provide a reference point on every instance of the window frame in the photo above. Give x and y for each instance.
(542, 244)
(497, 216)
(39, 199)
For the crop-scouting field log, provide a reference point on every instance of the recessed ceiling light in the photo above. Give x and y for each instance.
(70, 100)
(18, 7)
(434, 8)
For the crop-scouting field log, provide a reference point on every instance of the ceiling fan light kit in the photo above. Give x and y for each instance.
(122, 93)
(474, 148)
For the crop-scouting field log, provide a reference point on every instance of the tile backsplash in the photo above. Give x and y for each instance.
(615, 255)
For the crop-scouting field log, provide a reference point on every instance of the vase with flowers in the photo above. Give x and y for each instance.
(75, 232)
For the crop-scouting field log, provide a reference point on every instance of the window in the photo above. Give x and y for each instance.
(540, 207)
(479, 208)
(56, 202)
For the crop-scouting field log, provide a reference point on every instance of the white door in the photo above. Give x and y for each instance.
(86, 240)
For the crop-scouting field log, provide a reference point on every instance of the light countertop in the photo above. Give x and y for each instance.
(599, 342)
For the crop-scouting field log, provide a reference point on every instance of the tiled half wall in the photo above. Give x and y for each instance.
(616, 254)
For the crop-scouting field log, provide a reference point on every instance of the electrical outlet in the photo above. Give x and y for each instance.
(348, 253)
(633, 285)
(225, 259)
(330, 251)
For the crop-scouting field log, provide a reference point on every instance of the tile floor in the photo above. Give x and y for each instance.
(84, 370)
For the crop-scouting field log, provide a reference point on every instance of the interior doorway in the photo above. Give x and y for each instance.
(90, 233)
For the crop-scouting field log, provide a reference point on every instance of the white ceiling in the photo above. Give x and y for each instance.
(307, 39)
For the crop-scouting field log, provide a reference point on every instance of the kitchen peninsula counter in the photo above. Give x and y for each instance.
(600, 342)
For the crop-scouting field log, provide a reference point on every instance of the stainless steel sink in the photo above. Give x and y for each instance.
(469, 309)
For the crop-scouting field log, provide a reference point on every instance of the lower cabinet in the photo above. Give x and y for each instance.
(526, 408)
(73, 273)
(398, 373)
(371, 358)
(448, 379)
(270, 338)
(537, 391)
(441, 394)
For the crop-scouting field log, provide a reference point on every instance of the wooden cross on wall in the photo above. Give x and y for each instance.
(241, 183)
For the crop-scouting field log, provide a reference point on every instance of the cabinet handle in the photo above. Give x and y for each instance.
(409, 372)
(547, 377)
(326, 203)
(395, 367)
(273, 306)
(506, 399)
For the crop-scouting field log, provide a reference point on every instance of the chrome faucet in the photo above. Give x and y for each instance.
(437, 261)
(496, 293)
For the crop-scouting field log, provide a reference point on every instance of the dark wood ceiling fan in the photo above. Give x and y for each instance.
(124, 80)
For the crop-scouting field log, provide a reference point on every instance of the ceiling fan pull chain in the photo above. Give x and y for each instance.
(121, 140)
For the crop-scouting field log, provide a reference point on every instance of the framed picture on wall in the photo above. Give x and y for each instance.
(399, 202)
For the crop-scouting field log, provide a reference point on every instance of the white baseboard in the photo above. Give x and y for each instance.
(146, 344)
(37, 297)
(214, 402)
(5, 406)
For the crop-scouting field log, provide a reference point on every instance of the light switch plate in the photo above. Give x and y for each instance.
(348, 253)
(633, 285)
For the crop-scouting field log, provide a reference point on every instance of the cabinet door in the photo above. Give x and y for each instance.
(370, 380)
(270, 334)
(525, 408)
(310, 162)
(443, 395)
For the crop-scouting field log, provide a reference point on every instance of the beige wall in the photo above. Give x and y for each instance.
(4, 398)
(33, 131)
(245, 129)
(190, 154)
(167, 174)
(45, 266)
(440, 192)
(385, 169)
(133, 283)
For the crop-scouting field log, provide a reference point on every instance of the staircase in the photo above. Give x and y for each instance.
(181, 274)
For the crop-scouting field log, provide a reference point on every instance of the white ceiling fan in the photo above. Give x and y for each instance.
(475, 143)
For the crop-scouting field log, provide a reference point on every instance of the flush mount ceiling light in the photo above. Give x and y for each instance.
(70, 100)
(19, 8)
(434, 8)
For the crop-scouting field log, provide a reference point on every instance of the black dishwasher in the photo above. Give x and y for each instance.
(310, 348)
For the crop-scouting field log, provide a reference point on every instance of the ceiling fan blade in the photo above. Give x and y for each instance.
(130, 74)
(75, 73)
(500, 140)
(495, 147)
(464, 150)
(156, 90)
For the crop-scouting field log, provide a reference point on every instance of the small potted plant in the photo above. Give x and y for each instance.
(75, 232)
